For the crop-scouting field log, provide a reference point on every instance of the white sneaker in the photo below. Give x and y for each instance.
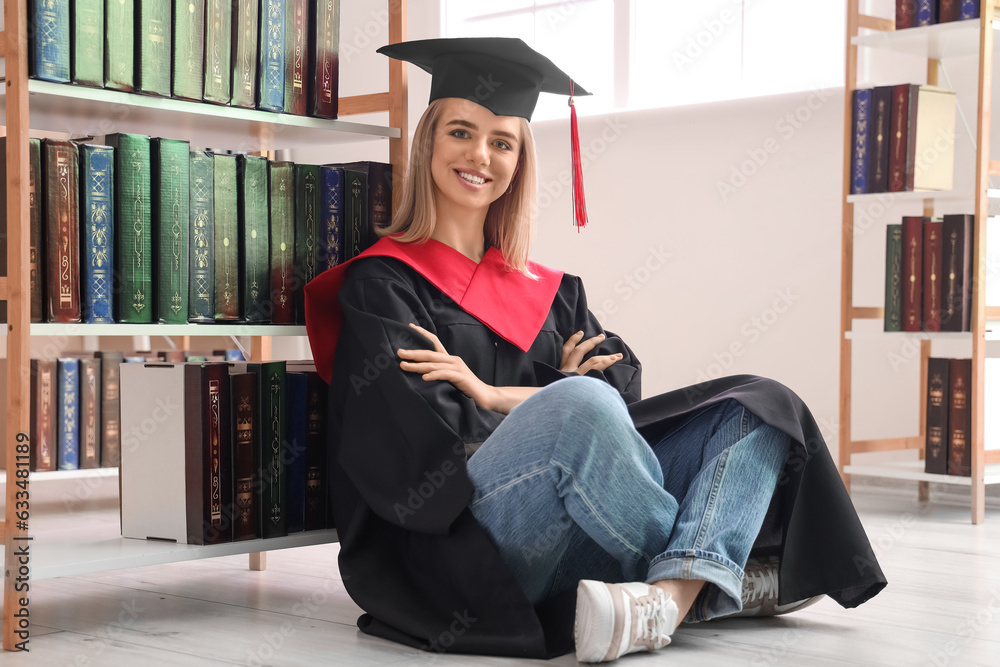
(615, 619)
(760, 590)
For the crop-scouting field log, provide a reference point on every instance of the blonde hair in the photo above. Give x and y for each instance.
(510, 220)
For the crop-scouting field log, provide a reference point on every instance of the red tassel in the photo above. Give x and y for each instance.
(579, 203)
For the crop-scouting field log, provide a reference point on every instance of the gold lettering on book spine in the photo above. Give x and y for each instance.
(310, 240)
(138, 228)
(177, 214)
(244, 448)
(253, 214)
(215, 442)
(65, 265)
(297, 60)
(45, 417)
(91, 434)
(274, 397)
(911, 312)
(326, 82)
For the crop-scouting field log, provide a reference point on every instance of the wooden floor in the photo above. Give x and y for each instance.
(942, 607)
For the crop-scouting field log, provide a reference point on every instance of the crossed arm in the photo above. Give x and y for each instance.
(437, 364)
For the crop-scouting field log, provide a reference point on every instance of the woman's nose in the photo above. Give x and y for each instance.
(478, 152)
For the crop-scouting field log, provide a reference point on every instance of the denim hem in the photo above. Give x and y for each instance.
(721, 596)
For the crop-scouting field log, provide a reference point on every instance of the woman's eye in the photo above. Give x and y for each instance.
(460, 134)
(503, 145)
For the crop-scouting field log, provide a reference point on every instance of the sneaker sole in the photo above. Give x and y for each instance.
(592, 638)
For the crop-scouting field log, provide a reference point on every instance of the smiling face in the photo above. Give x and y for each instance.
(475, 156)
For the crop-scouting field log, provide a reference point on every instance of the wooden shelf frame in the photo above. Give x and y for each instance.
(932, 42)
(262, 132)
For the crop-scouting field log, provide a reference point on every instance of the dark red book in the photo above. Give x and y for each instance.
(960, 417)
(936, 446)
(324, 61)
(949, 10)
(208, 453)
(913, 237)
(904, 97)
(62, 229)
(906, 14)
(956, 287)
(246, 446)
(111, 417)
(297, 32)
(43, 414)
(90, 412)
(932, 267)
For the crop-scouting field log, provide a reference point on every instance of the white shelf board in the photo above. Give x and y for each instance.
(233, 329)
(955, 38)
(101, 553)
(82, 111)
(890, 198)
(991, 334)
(56, 475)
(914, 470)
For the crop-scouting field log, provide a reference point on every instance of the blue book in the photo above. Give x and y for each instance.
(97, 202)
(968, 10)
(49, 24)
(296, 388)
(926, 12)
(331, 222)
(861, 148)
(68, 376)
(272, 56)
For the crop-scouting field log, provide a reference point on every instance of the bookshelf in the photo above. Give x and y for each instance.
(82, 112)
(961, 38)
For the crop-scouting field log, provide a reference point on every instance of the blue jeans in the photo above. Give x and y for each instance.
(569, 490)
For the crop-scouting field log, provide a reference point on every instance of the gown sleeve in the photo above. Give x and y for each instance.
(402, 438)
(571, 314)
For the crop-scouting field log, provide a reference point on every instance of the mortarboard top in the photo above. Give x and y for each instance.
(503, 74)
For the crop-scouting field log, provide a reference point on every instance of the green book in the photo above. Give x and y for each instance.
(255, 245)
(88, 42)
(245, 27)
(133, 228)
(271, 469)
(308, 200)
(119, 45)
(893, 277)
(355, 212)
(154, 47)
(282, 207)
(189, 49)
(227, 252)
(297, 28)
(171, 191)
(218, 37)
(201, 304)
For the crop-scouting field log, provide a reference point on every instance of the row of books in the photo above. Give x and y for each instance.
(273, 55)
(928, 274)
(916, 13)
(147, 230)
(235, 451)
(904, 139)
(949, 417)
(75, 406)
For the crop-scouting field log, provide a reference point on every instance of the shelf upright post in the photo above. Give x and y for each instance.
(398, 101)
(976, 436)
(15, 51)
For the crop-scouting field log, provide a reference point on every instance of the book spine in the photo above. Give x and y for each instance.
(245, 453)
(90, 410)
(69, 414)
(926, 12)
(355, 215)
(379, 199)
(316, 487)
(87, 62)
(51, 46)
(227, 252)
(97, 194)
(913, 236)
(878, 176)
(111, 408)
(154, 47)
(932, 275)
(860, 147)
(189, 49)
(119, 45)
(898, 134)
(62, 210)
(331, 248)
(220, 472)
(936, 460)
(296, 59)
(905, 10)
(959, 417)
(273, 472)
(307, 207)
(969, 9)
(133, 228)
(255, 245)
(37, 236)
(324, 64)
(911, 138)
(272, 56)
(218, 51)
(948, 10)
(893, 277)
(246, 27)
(170, 186)
(956, 290)
(44, 402)
(282, 205)
(201, 304)
(297, 390)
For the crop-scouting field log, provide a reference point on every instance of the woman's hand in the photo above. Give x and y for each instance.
(573, 352)
(439, 365)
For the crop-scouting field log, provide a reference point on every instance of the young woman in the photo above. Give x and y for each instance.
(497, 482)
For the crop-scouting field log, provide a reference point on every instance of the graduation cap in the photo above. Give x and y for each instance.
(503, 74)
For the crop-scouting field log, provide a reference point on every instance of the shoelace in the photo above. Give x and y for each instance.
(764, 584)
(649, 620)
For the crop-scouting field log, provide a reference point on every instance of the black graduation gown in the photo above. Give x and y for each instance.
(412, 555)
